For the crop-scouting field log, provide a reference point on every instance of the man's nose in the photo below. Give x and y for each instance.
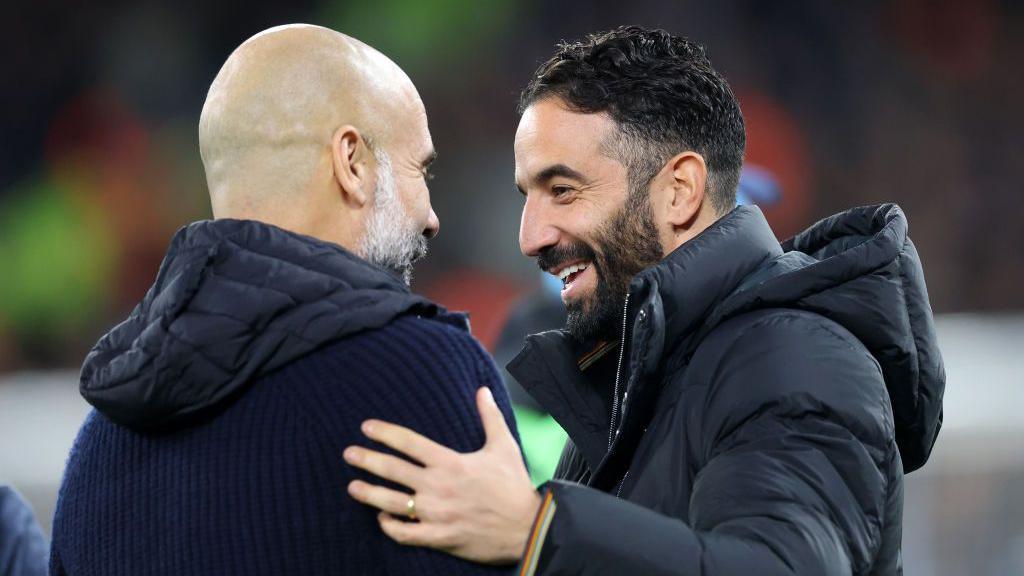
(536, 230)
(433, 225)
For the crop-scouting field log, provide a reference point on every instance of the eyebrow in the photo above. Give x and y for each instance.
(554, 171)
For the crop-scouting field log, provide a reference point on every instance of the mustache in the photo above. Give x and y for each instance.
(554, 256)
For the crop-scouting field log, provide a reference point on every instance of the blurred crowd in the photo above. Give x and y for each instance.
(911, 101)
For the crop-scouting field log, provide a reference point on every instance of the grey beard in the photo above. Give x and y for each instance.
(392, 239)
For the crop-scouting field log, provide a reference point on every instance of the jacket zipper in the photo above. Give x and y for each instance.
(618, 492)
(618, 374)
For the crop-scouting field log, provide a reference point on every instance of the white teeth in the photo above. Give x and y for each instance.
(568, 270)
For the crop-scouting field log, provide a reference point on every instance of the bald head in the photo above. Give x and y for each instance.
(291, 123)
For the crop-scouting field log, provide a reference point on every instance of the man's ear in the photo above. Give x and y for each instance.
(687, 180)
(350, 156)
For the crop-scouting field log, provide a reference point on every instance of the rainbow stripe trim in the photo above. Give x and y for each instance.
(596, 354)
(540, 532)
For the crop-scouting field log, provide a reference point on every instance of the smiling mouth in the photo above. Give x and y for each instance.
(568, 274)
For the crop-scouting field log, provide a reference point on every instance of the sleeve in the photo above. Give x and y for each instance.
(417, 373)
(796, 438)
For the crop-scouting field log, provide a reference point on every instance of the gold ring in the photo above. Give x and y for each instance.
(410, 508)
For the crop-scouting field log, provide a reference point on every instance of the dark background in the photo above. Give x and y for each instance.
(846, 103)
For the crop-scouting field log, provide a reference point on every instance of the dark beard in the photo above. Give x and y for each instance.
(625, 244)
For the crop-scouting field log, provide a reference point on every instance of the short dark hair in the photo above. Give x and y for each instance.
(662, 92)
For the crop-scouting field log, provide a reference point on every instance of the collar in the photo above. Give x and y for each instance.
(667, 304)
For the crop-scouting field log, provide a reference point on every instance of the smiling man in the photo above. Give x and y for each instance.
(734, 406)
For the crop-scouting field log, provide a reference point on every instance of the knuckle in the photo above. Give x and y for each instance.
(401, 443)
(393, 528)
(369, 458)
(384, 499)
(401, 536)
(382, 431)
(368, 495)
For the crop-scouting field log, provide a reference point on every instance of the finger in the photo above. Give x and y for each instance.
(405, 441)
(381, 498)
(495, 427)
(385, 466)
(407, 533)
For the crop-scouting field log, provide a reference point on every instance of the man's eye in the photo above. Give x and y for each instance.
(560, 190)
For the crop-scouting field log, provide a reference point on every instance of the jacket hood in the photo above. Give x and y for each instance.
(233, 301)
(858, 268)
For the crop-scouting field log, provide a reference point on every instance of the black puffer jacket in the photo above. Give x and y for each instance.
(769, 400)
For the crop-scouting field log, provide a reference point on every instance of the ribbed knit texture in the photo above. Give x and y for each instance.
(261, 487)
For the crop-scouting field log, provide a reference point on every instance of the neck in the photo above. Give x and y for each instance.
(326, 225)
(683, 234)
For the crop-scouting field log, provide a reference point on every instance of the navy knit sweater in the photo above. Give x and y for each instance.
(254, 482)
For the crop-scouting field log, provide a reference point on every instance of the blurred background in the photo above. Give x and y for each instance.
(911, 101)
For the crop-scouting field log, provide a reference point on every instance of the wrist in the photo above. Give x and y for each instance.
(524, 527)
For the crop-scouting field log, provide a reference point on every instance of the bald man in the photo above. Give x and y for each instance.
(224, 402)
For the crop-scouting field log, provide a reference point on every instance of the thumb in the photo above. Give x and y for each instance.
(493, 420)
